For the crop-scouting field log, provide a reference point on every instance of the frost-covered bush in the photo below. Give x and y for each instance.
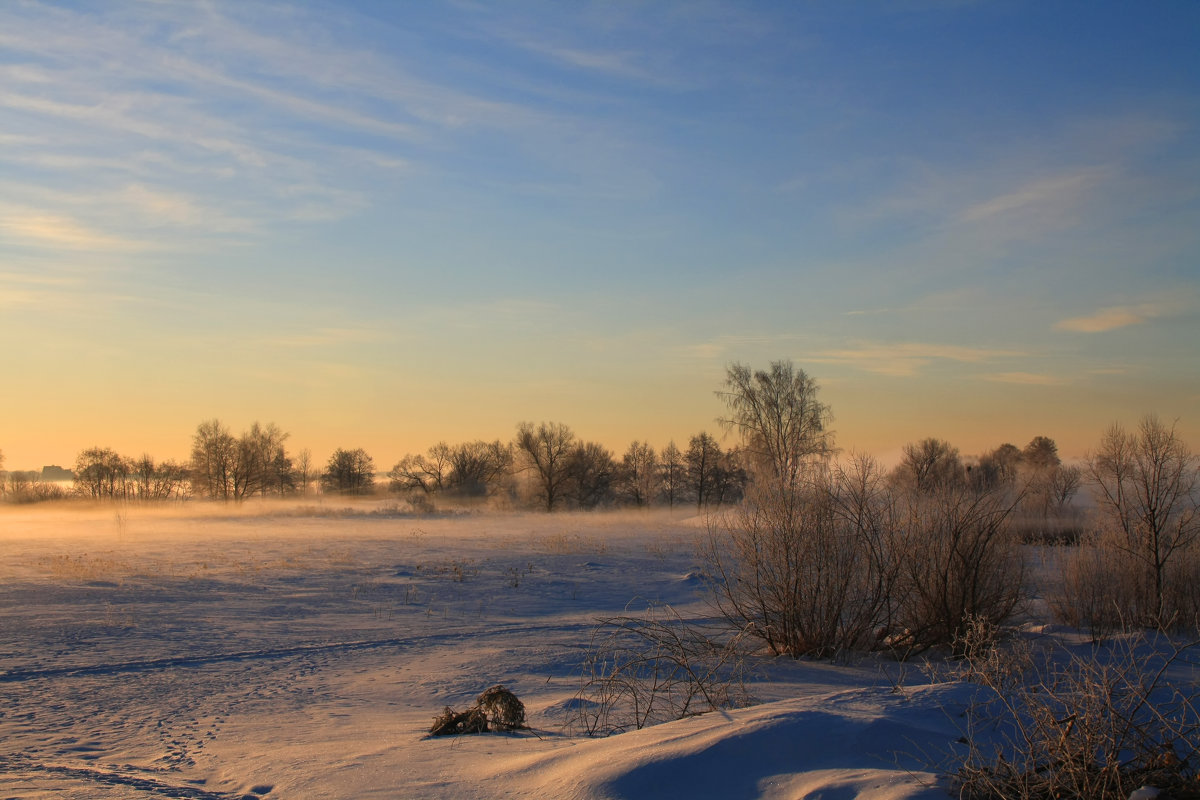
(959, 561)
(1054, 723)
(853, 562)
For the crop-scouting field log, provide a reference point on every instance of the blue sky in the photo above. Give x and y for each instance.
(385, 224)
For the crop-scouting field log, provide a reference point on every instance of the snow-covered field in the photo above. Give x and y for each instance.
(303, 653)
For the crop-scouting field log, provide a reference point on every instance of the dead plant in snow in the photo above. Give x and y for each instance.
(644, 670)
(1052, 723)
(505, 712)
(497, 709)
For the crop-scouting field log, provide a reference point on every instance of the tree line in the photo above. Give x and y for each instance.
(222, 467)
(546, 465)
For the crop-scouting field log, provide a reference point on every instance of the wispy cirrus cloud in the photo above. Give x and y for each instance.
(1043, 197)
(1027, 378)
(225, 104)
(1114, 318)
(160, 207)
(1105, 319)
(23, 289)
(326, 337)
(614, 62)
(905, 359)
(30, 227)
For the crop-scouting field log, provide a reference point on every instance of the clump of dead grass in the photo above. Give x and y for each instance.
(497, 709)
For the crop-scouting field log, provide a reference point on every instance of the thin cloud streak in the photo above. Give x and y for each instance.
(1056, 195)
(907, 359)
(1114, 318)
(1027, 379)
(1106, 319)
(48, 230)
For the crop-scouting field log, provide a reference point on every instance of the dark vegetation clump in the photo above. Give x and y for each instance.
(456, 723)
(504, 711)
(497, 709)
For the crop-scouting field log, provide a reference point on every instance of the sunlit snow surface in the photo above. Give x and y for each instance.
(303, 653)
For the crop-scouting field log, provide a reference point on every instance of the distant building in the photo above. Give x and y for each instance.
(57, 473)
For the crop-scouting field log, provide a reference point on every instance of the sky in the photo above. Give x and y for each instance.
(385, 224)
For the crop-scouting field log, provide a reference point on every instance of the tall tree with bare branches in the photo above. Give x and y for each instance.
(546, 450)
(782, 424)
(1147, 485)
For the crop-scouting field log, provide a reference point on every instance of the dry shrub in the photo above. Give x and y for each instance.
(1051, 723)
(848, 562)
(1183, 590)
(497, 709)
(808, 569)
(1105, 588)
(1099, 588)
(960, 561)
(655, 668)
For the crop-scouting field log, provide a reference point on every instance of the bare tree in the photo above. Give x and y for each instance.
(672, 474)
(546, 450)
(101, 473)
(229, 468)
(27, 486)
(304, 469)
(703, 460)
(591, 472)
(639, 474)
(213, 460)
(782, 424)
(427, 473)
(730, 478)
(997, 469)
(1148, 488)
(1064, 483)
(156, 481)
(281, 475)
(929, 466)
(349, 472)
(1049, 484)
(1050, 489)
(260, 463)
(476, 468)
(18, 485)
(472, 469)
